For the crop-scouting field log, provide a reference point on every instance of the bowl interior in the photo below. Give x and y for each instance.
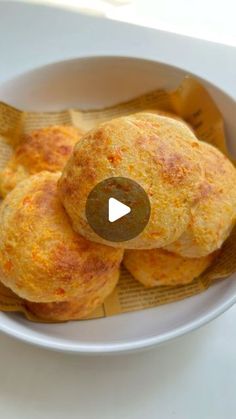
(92, 83)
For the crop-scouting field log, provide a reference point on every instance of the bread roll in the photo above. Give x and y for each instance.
(41, 258)
(158, 152)
(43, 149)
(160, 267)
(214, 214)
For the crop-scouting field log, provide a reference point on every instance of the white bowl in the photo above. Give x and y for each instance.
(98, 82)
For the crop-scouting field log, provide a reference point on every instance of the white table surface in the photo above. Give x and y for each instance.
(212, 20)
(192, 377)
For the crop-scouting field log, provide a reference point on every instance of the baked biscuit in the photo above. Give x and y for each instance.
(160, 267)
(157, 152)
(41, 258)
(43, 149)
(214, 214)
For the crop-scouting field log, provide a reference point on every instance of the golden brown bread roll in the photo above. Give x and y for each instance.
(43, 149)
(160, 267)
(158, 152)
(76, 309)
(41, 258)
(214, 213)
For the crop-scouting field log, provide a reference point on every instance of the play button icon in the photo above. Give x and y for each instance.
(118, 209)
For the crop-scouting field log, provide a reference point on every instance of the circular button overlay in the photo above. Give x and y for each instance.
(118, 209)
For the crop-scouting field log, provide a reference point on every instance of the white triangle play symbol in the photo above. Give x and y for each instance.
(116, 210)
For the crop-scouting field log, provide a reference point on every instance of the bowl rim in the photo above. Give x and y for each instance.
(125, 347)
(205, 81)
(139, 344)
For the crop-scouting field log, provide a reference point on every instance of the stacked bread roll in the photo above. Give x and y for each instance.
(50, 256)
(191, 186)
(59, 274)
